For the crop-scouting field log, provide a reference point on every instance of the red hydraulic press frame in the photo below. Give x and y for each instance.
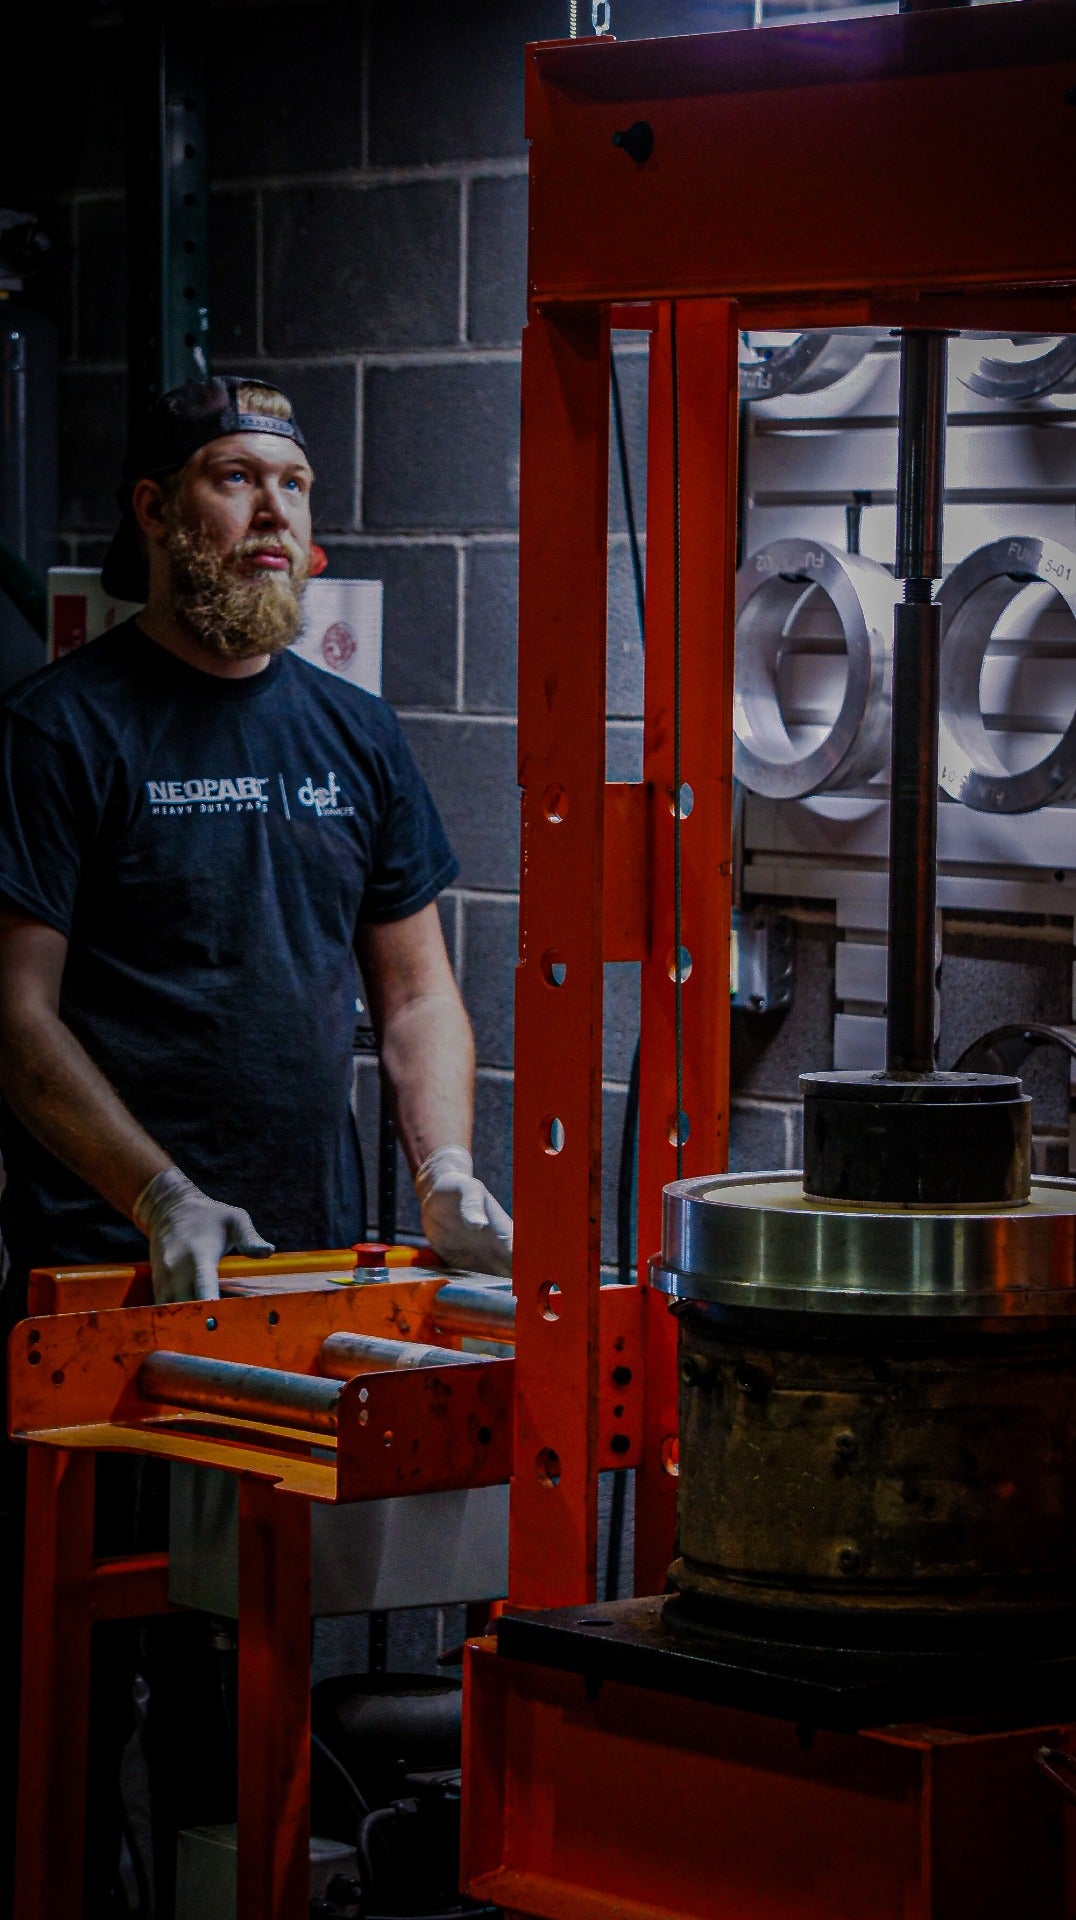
(907, 171)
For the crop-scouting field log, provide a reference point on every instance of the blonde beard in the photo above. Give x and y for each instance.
(228, 613)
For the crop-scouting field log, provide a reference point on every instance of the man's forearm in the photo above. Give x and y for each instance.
(52, 1085)
(427, 1054)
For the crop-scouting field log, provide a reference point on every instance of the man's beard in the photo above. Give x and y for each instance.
(235, 614)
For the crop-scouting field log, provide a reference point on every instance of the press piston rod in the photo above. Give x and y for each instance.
(913, 815)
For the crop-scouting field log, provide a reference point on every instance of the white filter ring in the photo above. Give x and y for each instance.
(770, 587)
(972, 601)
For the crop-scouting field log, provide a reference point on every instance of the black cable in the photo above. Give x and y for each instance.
(629, 502)
(362, 1805)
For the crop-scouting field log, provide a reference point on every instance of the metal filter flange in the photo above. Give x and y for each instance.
(973, 599)
(771, 589)
(756, 1242)
(805, 364)
(1024, 374)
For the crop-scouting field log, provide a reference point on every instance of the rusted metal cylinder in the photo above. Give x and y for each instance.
(877, 1477)
(877, 1414)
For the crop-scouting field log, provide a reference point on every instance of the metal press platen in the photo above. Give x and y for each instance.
(757, 1242)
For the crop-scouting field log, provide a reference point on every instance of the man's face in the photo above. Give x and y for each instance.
(239, 543)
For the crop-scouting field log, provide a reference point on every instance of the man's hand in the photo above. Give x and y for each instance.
(460, 1218)
(187, 1233)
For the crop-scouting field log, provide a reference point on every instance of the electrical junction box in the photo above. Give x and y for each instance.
(206, 1871)
(341, 631)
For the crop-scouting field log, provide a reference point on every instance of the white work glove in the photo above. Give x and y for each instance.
(187, 1233)
(460, 1218)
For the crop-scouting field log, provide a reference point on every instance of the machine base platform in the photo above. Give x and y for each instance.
(842, 1688)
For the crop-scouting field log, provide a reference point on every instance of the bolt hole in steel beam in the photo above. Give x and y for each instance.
(1007, 725)
(555, 804)
(684, 1133)
(686, 802)
(814, 669)
(670, 1455)
(547, 1467)
(552, 1134)
(686, 964)
(554, 968)
(548, 1300)
(1022, 366)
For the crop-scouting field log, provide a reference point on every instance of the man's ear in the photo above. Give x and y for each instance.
(147, 505)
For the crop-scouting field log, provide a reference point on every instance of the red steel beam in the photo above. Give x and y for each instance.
(885, 155)
(556, 1187)
(693, 365)
(273, 1864)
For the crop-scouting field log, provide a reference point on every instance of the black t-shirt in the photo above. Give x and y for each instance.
(208, 846)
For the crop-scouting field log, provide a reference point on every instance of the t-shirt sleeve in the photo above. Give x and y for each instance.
(45, 822)
(413, 860)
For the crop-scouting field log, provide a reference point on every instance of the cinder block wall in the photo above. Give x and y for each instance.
(368, 244)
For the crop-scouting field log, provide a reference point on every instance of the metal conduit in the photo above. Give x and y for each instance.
(240, 1392)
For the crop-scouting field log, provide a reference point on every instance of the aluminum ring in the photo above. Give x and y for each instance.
(972, 600)
(771, 586)
(809, 362)
(755, 1240)
(1051, 371)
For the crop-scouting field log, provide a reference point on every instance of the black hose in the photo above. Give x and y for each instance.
(362, 1806)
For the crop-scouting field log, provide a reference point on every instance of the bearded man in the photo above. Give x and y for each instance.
(200, 835)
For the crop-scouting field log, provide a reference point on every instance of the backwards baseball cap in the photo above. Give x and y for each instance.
(162, 442)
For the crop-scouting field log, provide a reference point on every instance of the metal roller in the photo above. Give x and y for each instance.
(772, 588)
(1028, 366)
(972, 601)
(800, 363)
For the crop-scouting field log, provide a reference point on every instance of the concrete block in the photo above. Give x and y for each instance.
(302, 78)
(757, 1137)
(419, 645)
(492, 1151)
(101, 282)
(497, 261)
(471, 770)
(491, 638)
(621, 1018)
(442, 446)
(771, 1050)
(624, 750)
(633, 372)
(394, 279)
(233, 274)
(446, 81)
(490, 952)
(990, 980)
(326, 404)
(624, 685)
(93, 414)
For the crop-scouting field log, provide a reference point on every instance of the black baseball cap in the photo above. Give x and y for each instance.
(173, 429)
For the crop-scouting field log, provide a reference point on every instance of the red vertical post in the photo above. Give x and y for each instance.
(274, 1703)
(556, 1190)
(55, 1684)
(690, 611)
